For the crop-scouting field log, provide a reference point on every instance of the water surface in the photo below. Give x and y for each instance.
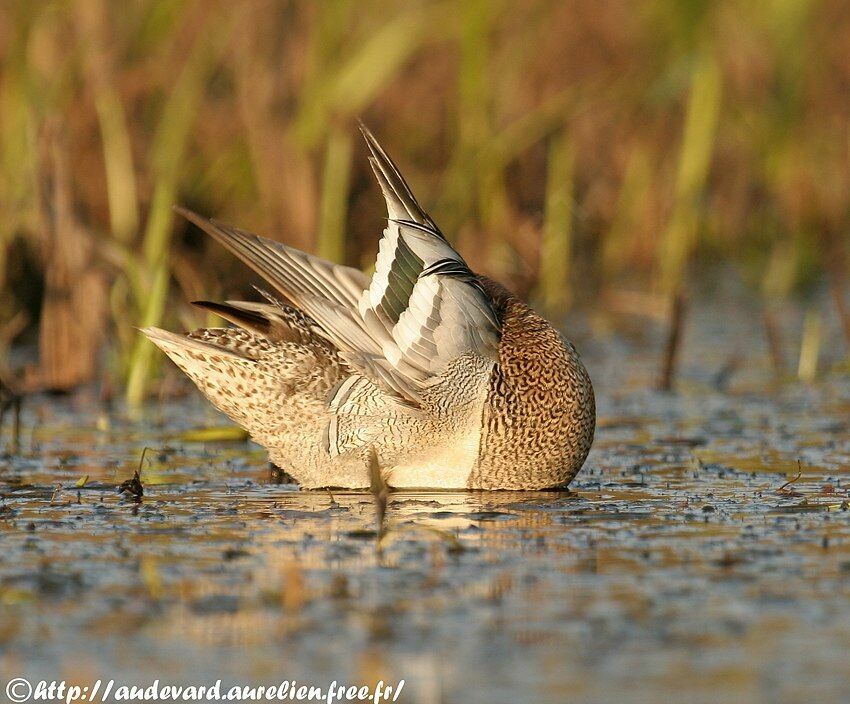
(683, 563)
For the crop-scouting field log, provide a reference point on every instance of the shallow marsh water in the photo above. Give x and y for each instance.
(680, 566)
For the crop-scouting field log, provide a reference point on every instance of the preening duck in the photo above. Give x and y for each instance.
(441, 376)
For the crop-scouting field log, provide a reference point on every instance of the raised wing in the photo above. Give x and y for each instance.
(422, 308)
(422, 294)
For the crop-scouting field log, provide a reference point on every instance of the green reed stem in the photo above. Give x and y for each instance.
(555, 250)
(333, 208)
(694, 161)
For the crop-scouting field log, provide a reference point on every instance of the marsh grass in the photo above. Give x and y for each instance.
(580, 151)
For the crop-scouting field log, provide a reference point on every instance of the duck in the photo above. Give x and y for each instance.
(426, 372)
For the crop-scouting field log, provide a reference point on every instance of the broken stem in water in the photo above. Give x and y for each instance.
(674, 339)
(10, 399)
(380, 491)
(774, 342)
(837, 288)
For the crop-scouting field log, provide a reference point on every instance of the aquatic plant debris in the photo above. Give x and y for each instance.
(132, 488)
(784, 488)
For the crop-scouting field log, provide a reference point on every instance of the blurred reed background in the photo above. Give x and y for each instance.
(590, 154)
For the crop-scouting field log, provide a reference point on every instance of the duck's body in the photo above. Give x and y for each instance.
(442, 376)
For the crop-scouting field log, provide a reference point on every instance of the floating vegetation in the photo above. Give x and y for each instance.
(226, 433)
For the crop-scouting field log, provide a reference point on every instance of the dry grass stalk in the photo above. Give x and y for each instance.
(73, 316)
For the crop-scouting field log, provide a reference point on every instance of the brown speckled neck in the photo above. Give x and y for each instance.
(540, 413)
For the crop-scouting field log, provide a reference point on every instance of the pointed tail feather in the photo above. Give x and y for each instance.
(175, 344)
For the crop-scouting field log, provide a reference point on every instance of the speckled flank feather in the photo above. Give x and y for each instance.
(443, 376)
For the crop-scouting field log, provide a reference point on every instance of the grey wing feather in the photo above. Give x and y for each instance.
(289, 270)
